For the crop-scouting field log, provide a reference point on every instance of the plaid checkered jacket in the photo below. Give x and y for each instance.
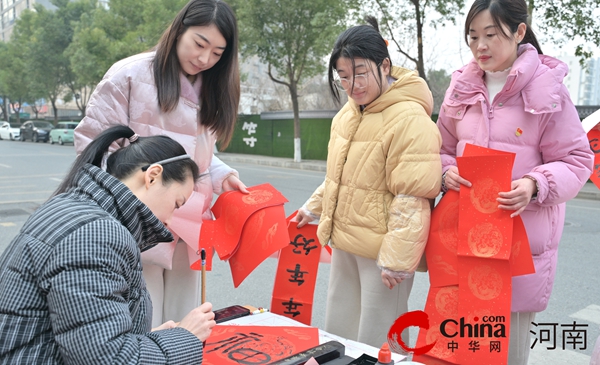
(71, 285)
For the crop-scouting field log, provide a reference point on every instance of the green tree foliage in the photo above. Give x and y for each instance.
(43, 36)
(16, 77)
(569, 20)
(4, 92)
(438, 81)
(402, 21)
(292, 37)
(104, 36)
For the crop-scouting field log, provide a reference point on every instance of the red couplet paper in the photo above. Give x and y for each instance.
(484, 230)
(256, 344)
(231, 210)
(264, 233)
(441, 305)
(594, 138)
(473, 251)
(442, 243)
(296, 275)
(484, 310)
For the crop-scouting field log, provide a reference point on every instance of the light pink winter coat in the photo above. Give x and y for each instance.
(127, 96)
(552, 147)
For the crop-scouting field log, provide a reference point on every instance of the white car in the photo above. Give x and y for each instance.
(10, 131)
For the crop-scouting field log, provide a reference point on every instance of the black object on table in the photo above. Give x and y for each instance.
(323, 353)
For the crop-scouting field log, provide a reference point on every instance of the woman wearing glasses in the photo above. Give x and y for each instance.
(374, 206)
(71, 285)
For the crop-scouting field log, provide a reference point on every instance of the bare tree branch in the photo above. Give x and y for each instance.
(390, 31)
(274, 79)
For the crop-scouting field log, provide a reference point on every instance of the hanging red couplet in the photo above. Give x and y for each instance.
(473, 251)
(296, 276)
(594, 138)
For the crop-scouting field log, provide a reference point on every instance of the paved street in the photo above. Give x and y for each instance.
(30, 172)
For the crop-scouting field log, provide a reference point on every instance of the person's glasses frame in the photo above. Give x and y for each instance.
(359, 81)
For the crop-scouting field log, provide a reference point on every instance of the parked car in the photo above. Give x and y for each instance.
(10, 131)
(63, 132)
(35, 130)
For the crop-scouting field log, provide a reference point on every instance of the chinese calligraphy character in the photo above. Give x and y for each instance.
(250, 127)
(305, 245)
(574, 336)
(297, 275)
(452, 346)
(595, 145)
(250, 141)
(235, 341)
(494, 346)
(292, 307)
(546, 335)
(474, 346)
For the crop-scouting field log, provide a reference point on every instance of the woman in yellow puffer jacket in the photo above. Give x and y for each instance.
(383, 166)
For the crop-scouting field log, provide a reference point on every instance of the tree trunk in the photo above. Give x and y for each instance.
(17, 112)
(297, 144)
(420, 63)
(530, 8)
(5, 107)
(55, 109)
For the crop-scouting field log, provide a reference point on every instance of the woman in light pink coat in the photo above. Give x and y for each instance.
(188, 88)
(510, 97)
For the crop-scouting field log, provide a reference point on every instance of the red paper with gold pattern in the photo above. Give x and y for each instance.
(486, 247)
(442, 304)
(231, 210)
(297, 271)
(594, 138)
(442, 243)
(256, 344)
(264, 233)
(484, 230)
(484, 308)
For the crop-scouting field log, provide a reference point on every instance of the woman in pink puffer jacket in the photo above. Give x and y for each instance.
(188, 88)
(510, 97)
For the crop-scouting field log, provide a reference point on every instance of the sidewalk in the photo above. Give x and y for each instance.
(313, 165)
(589, 190)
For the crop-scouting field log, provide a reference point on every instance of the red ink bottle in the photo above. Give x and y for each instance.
(385, 355)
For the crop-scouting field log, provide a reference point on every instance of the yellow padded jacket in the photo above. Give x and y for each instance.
(383, 165)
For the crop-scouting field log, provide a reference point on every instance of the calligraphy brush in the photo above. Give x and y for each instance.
(203, 258)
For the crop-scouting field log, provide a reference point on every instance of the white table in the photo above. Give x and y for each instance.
(353, 349)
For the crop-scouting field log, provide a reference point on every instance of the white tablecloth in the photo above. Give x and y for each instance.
(353, 349)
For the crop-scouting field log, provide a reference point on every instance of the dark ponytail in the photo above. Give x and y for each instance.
(127, 160)
(508, 12)
(362, 41)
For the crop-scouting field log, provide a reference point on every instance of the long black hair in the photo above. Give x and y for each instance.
(362, 41)
(127, 160)
(508, 12)
(220, 90)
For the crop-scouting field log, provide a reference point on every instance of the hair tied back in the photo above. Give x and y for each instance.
(134, 138)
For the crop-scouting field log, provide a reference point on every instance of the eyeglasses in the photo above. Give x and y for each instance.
(359, 81)
(167, 160)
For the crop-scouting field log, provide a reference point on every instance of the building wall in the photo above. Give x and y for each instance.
(583, 83)
(591, 85)
(10, 11)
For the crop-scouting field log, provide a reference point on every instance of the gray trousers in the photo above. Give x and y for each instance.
(520, 337)
(359, 306)
(174, 292)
